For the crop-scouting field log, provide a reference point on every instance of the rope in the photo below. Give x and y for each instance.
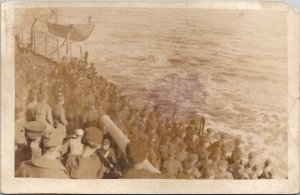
(45, 20)
(59, 47)
(40, 20)
(186, 16)
(66, 16)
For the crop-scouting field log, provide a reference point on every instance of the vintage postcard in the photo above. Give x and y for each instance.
(149, 97)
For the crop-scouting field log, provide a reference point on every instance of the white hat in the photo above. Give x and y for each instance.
(79, 132)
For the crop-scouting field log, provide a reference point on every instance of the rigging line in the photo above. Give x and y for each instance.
(83, 21)
(40, 20)
(64, 15)
(97, 21)
(63, 42)
(82, 18)
(45, 20)
(186, 17)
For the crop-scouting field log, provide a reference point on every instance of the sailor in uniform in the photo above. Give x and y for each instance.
(46, 165)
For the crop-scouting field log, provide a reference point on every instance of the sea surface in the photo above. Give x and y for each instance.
(227, 65)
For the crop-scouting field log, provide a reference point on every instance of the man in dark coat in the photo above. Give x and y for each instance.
(46, 165)
(33, 132)
(140, 167)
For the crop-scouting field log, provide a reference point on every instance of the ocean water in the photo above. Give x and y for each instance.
(227, 65)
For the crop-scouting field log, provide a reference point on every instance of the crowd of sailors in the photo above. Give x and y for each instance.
(60, 134)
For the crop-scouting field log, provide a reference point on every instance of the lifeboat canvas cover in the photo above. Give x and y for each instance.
(80, 32)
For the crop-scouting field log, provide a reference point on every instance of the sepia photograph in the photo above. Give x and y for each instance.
(177, 92)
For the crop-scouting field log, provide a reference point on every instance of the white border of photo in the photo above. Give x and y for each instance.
(10, 184)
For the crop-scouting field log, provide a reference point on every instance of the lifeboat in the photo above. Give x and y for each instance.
(79, 32)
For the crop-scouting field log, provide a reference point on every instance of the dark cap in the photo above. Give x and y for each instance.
(237, 141)
(251, 155)
(202, 119)
(193, 122)
(210, 130)
(93, 134)
(34, 129)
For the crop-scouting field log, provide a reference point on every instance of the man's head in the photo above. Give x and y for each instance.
(210, 132)
(187, 167)
(268, 162)
(138, 151)
(205, 143)
(251, 155)
(33, 130)
(33, 97)
(44, 98)
(169, 127)
(210, 173)
(51, 142)
(222, 165)
(106, 144)
(61, 99)
(92, 137)
(79, 133)
(202, 123)
(195, 137)
(237, 142)
(193, 123)
(183, 134)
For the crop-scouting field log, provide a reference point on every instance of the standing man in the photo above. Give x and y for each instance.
(42, 111)
(59, 114)
(86, 55)
(190, 131)
(202, 124)
(46, 165)
(27, 58)
(91, 117)
(30, 106)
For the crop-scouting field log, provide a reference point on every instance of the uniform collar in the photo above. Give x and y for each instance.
(47, 163)
(140, 165)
